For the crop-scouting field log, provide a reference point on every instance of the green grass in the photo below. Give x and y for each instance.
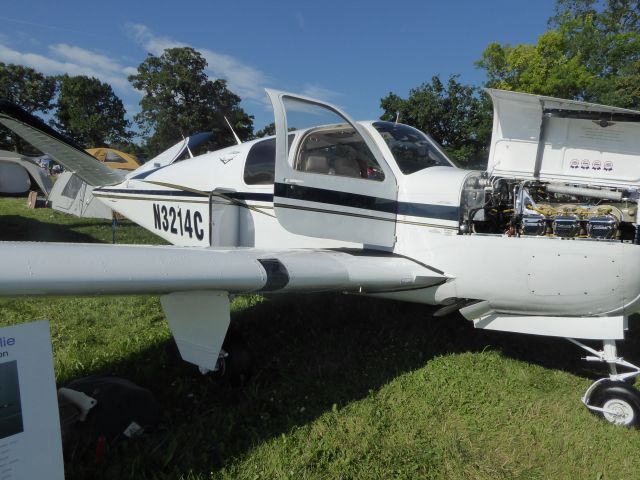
(46, 225)
(342, 387)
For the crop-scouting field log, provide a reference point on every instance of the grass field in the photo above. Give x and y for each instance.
(342, 387)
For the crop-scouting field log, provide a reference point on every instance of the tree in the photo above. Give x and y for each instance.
(90, 113)
(457, 116)
(592, 52)
(28, 88)
(607, 36)
(179, 100)
(544, 68)
(267, 131)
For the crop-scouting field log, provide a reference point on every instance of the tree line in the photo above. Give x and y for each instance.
(591, 52)
(178, 100)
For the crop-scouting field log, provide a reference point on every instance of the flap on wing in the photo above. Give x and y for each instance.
(61, 149)
(85, 269)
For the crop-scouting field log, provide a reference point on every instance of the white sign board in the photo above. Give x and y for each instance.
(30, 441)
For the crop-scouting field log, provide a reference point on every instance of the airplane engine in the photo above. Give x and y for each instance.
(549, 209)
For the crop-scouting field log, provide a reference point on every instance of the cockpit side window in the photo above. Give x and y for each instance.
(412, 149)
(337, 150)
(260, 165)
(259, 169)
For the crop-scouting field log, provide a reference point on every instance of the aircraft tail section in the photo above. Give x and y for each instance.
(71, 156)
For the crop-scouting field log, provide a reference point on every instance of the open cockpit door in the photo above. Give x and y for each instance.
(333, 181)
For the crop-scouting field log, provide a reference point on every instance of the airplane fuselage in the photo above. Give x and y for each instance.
(209, 201)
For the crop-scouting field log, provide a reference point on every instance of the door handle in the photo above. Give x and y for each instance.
(293, 181)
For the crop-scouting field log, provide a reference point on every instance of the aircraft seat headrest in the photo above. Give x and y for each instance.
(316, 164)
(347, 167)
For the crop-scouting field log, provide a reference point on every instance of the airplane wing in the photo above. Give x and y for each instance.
(43, 268)
(196, 282)
(61, 149)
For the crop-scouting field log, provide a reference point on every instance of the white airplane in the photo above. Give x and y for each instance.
(545, 241)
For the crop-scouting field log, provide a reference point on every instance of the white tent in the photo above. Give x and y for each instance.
(72, 195)
(17, 173)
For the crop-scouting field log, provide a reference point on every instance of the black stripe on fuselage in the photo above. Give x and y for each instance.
(317, 195)
(366, 202)
(166, 193)
(333, 197)
(255, 196)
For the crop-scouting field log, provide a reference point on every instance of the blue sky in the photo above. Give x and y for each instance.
(348, 53)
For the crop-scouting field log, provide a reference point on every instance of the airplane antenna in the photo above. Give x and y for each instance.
(397, 116)
(188, 149)
(238, 141)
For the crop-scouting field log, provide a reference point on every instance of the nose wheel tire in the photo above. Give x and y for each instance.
(615, 398)
(617, 402)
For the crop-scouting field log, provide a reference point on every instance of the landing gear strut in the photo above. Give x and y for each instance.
(614, 398)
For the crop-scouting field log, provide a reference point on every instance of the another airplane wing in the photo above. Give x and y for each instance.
(61, 149)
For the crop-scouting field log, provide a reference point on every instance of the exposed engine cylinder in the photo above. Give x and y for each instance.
(533, 225)
(567, 226)
(539, 209)
(569, 221)
(603, 227)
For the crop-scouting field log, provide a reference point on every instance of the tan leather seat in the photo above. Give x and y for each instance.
(316, 164)
(347, 167)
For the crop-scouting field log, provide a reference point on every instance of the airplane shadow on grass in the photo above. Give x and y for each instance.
(309, 353)
(18, 228)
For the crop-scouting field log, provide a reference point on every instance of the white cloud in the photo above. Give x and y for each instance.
(81, 56)
(153, 43)
(73, 61)
(243, 79)
(319, 93)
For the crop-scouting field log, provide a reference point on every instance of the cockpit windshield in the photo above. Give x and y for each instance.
(412, 149)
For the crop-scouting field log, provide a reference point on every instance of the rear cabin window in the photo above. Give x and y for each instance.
(260, 165)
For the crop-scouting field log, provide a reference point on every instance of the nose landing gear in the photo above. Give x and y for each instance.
(614, 398)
